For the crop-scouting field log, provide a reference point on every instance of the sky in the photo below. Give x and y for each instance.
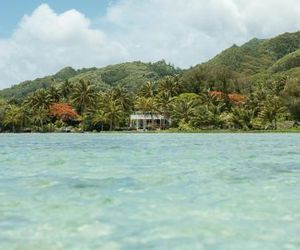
(38, 38)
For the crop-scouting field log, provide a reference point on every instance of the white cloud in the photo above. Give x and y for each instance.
(44, 42)
(187, 32)
(184, 32)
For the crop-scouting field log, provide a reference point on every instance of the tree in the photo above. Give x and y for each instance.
(100, 118)
(3, 106)
(84, 95)
(147, 105)
(240, 117)
(65, 89)
(197, 79)
(208, 115)
(170, 85)
(113, 112)
(291, 98)
(256, 100)
(53, 94)
(271, 110)
(63, 111)
(121, 96)
(14, 117)
(148, 89)
(39, 117)
(163, 102)
(224, 81)
(184, 107)
(39, 99)
(210, 98)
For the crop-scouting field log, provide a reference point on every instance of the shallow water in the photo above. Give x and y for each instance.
(150, 191)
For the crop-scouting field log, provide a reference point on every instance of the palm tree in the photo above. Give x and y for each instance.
(142, 104)
(207, 98)
(54, 94)
(13, 117)
(84, 95)
(39, 99)
(163, 103)
(241, 117)
(215, 114)
(291, 98)
(148, 89)
(113, 112)
(271, 110)
(183, 110)
(170, 85)
(120, 95)
(39, 117)
(256, 100)
(146, 105)
(65, 89)
(99, 118)
(3, 106)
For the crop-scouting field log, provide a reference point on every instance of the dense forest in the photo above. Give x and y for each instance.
(255, 86)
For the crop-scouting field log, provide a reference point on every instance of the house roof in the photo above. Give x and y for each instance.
(146, 116)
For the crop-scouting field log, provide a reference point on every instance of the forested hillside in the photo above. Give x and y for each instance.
(129, 75)
(255, 86)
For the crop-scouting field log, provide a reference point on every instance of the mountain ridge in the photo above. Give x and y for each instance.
(255, 60)
(128, 74)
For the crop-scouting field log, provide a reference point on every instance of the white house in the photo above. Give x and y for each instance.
(148, 121)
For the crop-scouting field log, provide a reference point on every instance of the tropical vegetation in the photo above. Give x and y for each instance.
(255, 86)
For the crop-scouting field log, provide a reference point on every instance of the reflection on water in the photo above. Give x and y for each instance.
(150, 191)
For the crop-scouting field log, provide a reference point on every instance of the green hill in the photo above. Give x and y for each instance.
(287, 62)
(282, 45)
(249, 58)
(258, 60)
(257, 55)
(23, 89)
(130, 75)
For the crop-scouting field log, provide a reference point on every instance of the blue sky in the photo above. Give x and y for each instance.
(11, 11)
(38, 38)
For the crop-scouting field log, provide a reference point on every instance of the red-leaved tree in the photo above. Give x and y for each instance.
(234, 98)
(63, 111)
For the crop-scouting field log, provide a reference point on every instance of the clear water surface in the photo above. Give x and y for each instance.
(150, 191)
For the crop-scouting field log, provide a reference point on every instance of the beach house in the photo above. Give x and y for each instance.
(149, 121)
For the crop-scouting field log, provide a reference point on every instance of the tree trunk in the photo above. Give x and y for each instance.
(152, 120)
(111, 125)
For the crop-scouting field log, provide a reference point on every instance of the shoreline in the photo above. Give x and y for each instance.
(225, 131)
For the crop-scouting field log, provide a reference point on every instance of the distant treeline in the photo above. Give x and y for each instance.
(216, 104)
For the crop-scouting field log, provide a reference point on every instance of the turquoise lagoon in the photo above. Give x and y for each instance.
(150, 191)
